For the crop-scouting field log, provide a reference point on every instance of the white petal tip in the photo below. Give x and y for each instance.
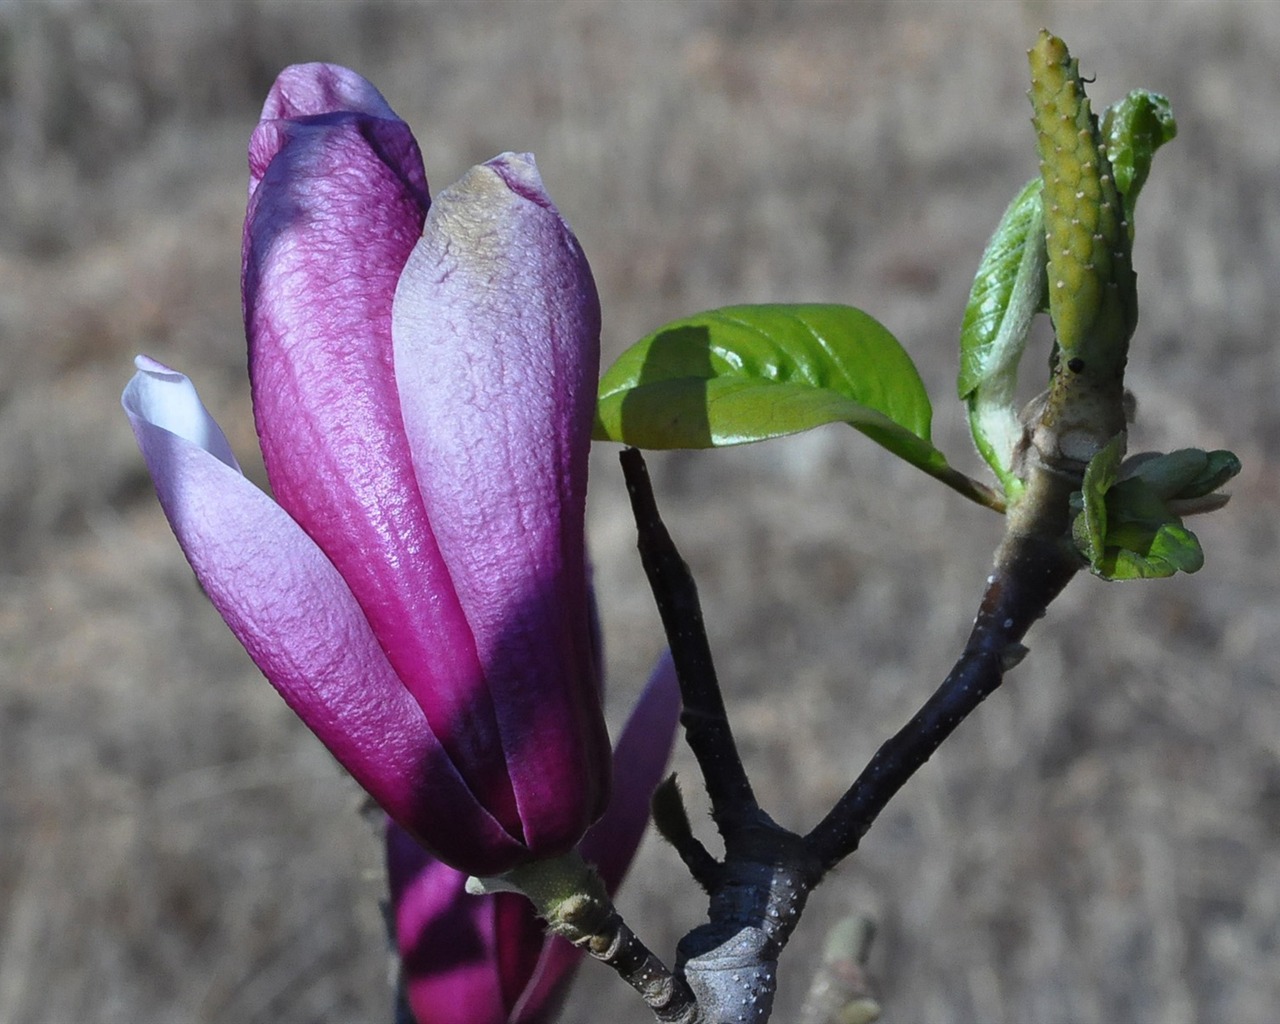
(167, 399)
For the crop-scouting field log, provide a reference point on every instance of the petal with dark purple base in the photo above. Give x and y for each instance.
(300, 623)
(337, 207)
(496, 329)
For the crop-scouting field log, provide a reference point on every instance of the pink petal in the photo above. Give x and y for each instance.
(496, 328)
(639, 760)
(299, 622)
(446, 938)
(337, 207)
(463, 951)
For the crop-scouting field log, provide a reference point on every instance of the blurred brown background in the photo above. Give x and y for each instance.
(1101, 842)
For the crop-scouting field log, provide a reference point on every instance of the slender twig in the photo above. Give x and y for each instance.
(705, 722)
(1093, 305)
(758, 891)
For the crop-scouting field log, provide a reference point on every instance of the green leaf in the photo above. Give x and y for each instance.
(747, 373)
(1183, 474)
(1124, 527)
(1090, 527)
(1132, 130)
(1144, 552)
(1010, 288)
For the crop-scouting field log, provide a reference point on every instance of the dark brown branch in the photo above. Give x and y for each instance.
(705, 722)
(759, 889)
(1031, 570)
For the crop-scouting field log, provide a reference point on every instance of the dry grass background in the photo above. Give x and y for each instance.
(1100, 843)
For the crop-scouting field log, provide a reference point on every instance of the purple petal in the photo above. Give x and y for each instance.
(303, 90)
(521, 940)
(299, 622)
(639, 760)
(461, 951)
(337, 207)
(320, 96)
(496, 327)
(445, 937)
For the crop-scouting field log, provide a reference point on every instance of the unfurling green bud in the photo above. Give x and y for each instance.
(1134, 129)
(1129, 521)
(1183, 474)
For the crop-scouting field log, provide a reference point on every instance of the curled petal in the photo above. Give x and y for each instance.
(164, 398)
(300, 623)
(496, 331)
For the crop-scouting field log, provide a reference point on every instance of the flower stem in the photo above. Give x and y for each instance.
(567, 893)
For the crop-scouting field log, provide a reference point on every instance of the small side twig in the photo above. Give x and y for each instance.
(672, 821)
